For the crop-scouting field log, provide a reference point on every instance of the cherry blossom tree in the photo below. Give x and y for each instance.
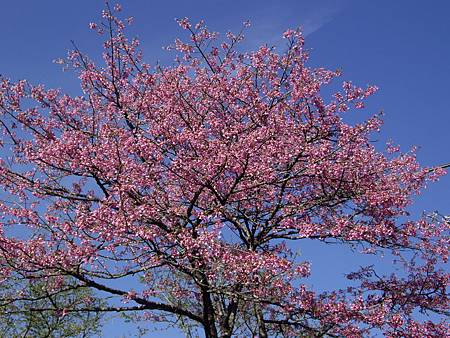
(199, 180)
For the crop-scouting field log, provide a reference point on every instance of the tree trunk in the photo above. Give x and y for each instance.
(209, 322)
(261, 325)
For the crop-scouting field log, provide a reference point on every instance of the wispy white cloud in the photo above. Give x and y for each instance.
(319, 18)
(268, 29)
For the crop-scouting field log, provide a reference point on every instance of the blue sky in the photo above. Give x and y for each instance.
(400, 46)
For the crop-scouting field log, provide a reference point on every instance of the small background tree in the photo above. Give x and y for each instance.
(37, 309)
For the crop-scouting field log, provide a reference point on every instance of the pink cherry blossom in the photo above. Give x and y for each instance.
(202, 179)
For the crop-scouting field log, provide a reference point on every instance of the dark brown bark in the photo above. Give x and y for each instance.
(209, 323)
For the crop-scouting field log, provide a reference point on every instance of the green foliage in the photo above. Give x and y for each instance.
(39, 312)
